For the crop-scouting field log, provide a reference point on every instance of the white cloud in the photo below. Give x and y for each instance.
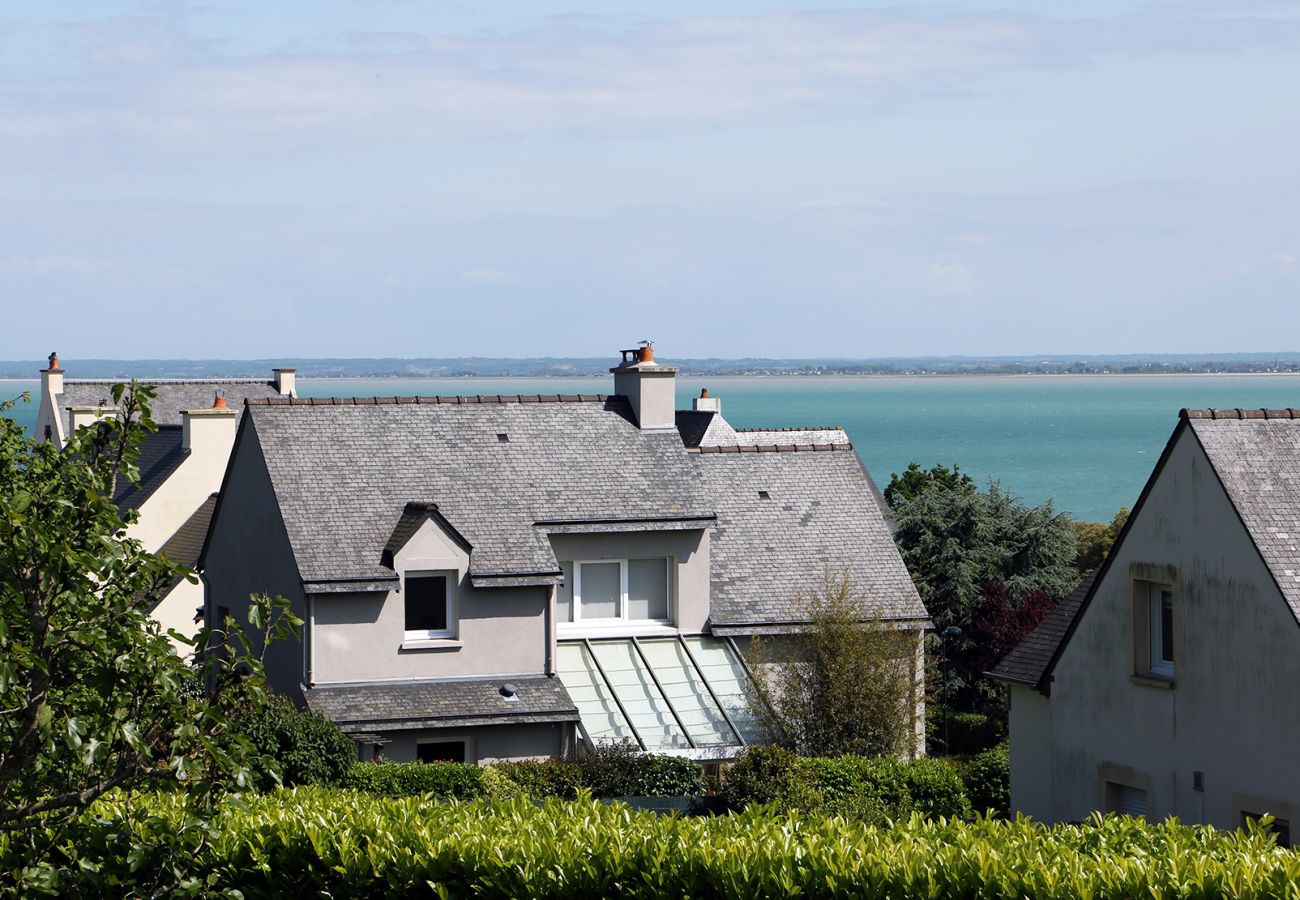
(47, 265)
(948, 278)
(487, 276)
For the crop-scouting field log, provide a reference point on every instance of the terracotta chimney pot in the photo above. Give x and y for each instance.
(54, 360)
(647, 353)
(704, 393)
(220, 402)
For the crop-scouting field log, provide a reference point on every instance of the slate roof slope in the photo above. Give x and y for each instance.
(186, 544)
(822, 517)
(1028, 661)
(172, 399)
(160, 455)
(1258, 461)
(762, 437)
(344, 473)
(442, 704)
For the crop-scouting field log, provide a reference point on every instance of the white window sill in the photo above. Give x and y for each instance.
(429, 644)
(575, 630)
(1151, 679)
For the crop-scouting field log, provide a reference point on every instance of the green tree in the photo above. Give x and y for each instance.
(842, 685)
(916, 480)
(1094, 540)
(92, 697)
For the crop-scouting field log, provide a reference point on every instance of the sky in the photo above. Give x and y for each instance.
(359, 178)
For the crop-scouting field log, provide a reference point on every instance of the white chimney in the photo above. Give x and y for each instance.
(649, 387)
(210, 433)
(49, 420)
(86, 415)
(705, 403)
(286, 382)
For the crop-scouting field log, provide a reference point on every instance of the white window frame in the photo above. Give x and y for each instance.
(1157, 664)
(448, 633)
(621, 618)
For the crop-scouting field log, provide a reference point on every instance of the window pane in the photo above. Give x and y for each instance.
(564, 595)
(441, 751)
(426, 603)
(647, 589)
(1167, 626)
(600, 589)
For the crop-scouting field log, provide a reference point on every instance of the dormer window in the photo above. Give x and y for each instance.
(429, 609)
(608, 591)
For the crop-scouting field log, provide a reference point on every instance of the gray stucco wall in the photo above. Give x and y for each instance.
(248, 553)
(361, 637)
(690, 550)
(489, 744)
(1232, 711)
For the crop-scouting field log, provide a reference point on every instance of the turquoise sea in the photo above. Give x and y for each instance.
(1087, 442)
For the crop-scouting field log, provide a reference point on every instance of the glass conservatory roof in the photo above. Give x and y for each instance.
(688, 694)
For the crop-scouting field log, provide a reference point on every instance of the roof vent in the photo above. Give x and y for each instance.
(764, 495)
(502, 437)
(509, 691)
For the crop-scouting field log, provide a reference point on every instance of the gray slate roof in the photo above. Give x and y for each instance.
(173, 397)
(443, 704)
(345, 471)
(1027, 663)
(160, 455)
(1258, 461)
(823, 518)
(184, 546)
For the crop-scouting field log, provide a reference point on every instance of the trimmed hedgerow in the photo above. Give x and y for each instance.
(445, 780)
(317, 841)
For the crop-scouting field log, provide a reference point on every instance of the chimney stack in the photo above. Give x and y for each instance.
(705, 403)
(87, 415)
(49, 419)
(649, 387)
(286, 382)
(210, 433)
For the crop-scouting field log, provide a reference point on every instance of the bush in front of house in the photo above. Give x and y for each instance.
(308, 747)
(444, 780)
(869, 789)
(988, 781)
(618, 770)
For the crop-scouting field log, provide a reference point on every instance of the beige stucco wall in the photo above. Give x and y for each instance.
(176, 611)
(1233, 711)
(689, 549)
(361, 637)
(211, 434)
(248, 552)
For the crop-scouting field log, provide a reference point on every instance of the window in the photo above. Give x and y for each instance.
(440, 751)
(1126, 799)
(609, 590)
(427, 600)
(1160, 609)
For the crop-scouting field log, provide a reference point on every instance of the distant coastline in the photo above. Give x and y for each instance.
(1287, 363)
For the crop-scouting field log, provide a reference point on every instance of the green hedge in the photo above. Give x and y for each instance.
(988, 781)
(612, 771)
(317, 841)
(870, 790)
(308, 747)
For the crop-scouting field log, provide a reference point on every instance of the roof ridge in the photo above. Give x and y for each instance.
(769, 448)
(431, 400)
(125, 379)
(794, 428)
(1239, 413)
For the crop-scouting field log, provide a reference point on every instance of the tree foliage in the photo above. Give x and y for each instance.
(843, 685)
(1094, 540)
(92, 697)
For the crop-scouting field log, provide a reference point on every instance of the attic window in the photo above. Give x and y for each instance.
(503, 438)
(764, 495)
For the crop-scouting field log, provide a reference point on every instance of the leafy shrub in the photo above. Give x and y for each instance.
(857, 787)
(445, 780)
(617, 770)
(988, 781)
(970, 733)
(308, 747)
(544, 778)
(758, 775)
(315, 841)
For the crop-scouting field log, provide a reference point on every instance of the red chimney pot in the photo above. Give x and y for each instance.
(220, 402)
(704, 392)
(54, 360)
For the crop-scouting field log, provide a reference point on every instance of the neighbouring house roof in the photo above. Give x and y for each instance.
(1255, 453)
(1029, 660)
(172, 398)
(184, 546)
(452, 703)
(506, 472)
(160, 455)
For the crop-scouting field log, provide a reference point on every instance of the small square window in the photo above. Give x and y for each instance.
(1281, 828)
(503, 438)
(1126, 800)
(428, 608)
(764, 495)
(1160, 610)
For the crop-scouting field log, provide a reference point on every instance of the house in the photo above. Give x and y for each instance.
(181, 464)
(491, 578)
(1167, 684)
